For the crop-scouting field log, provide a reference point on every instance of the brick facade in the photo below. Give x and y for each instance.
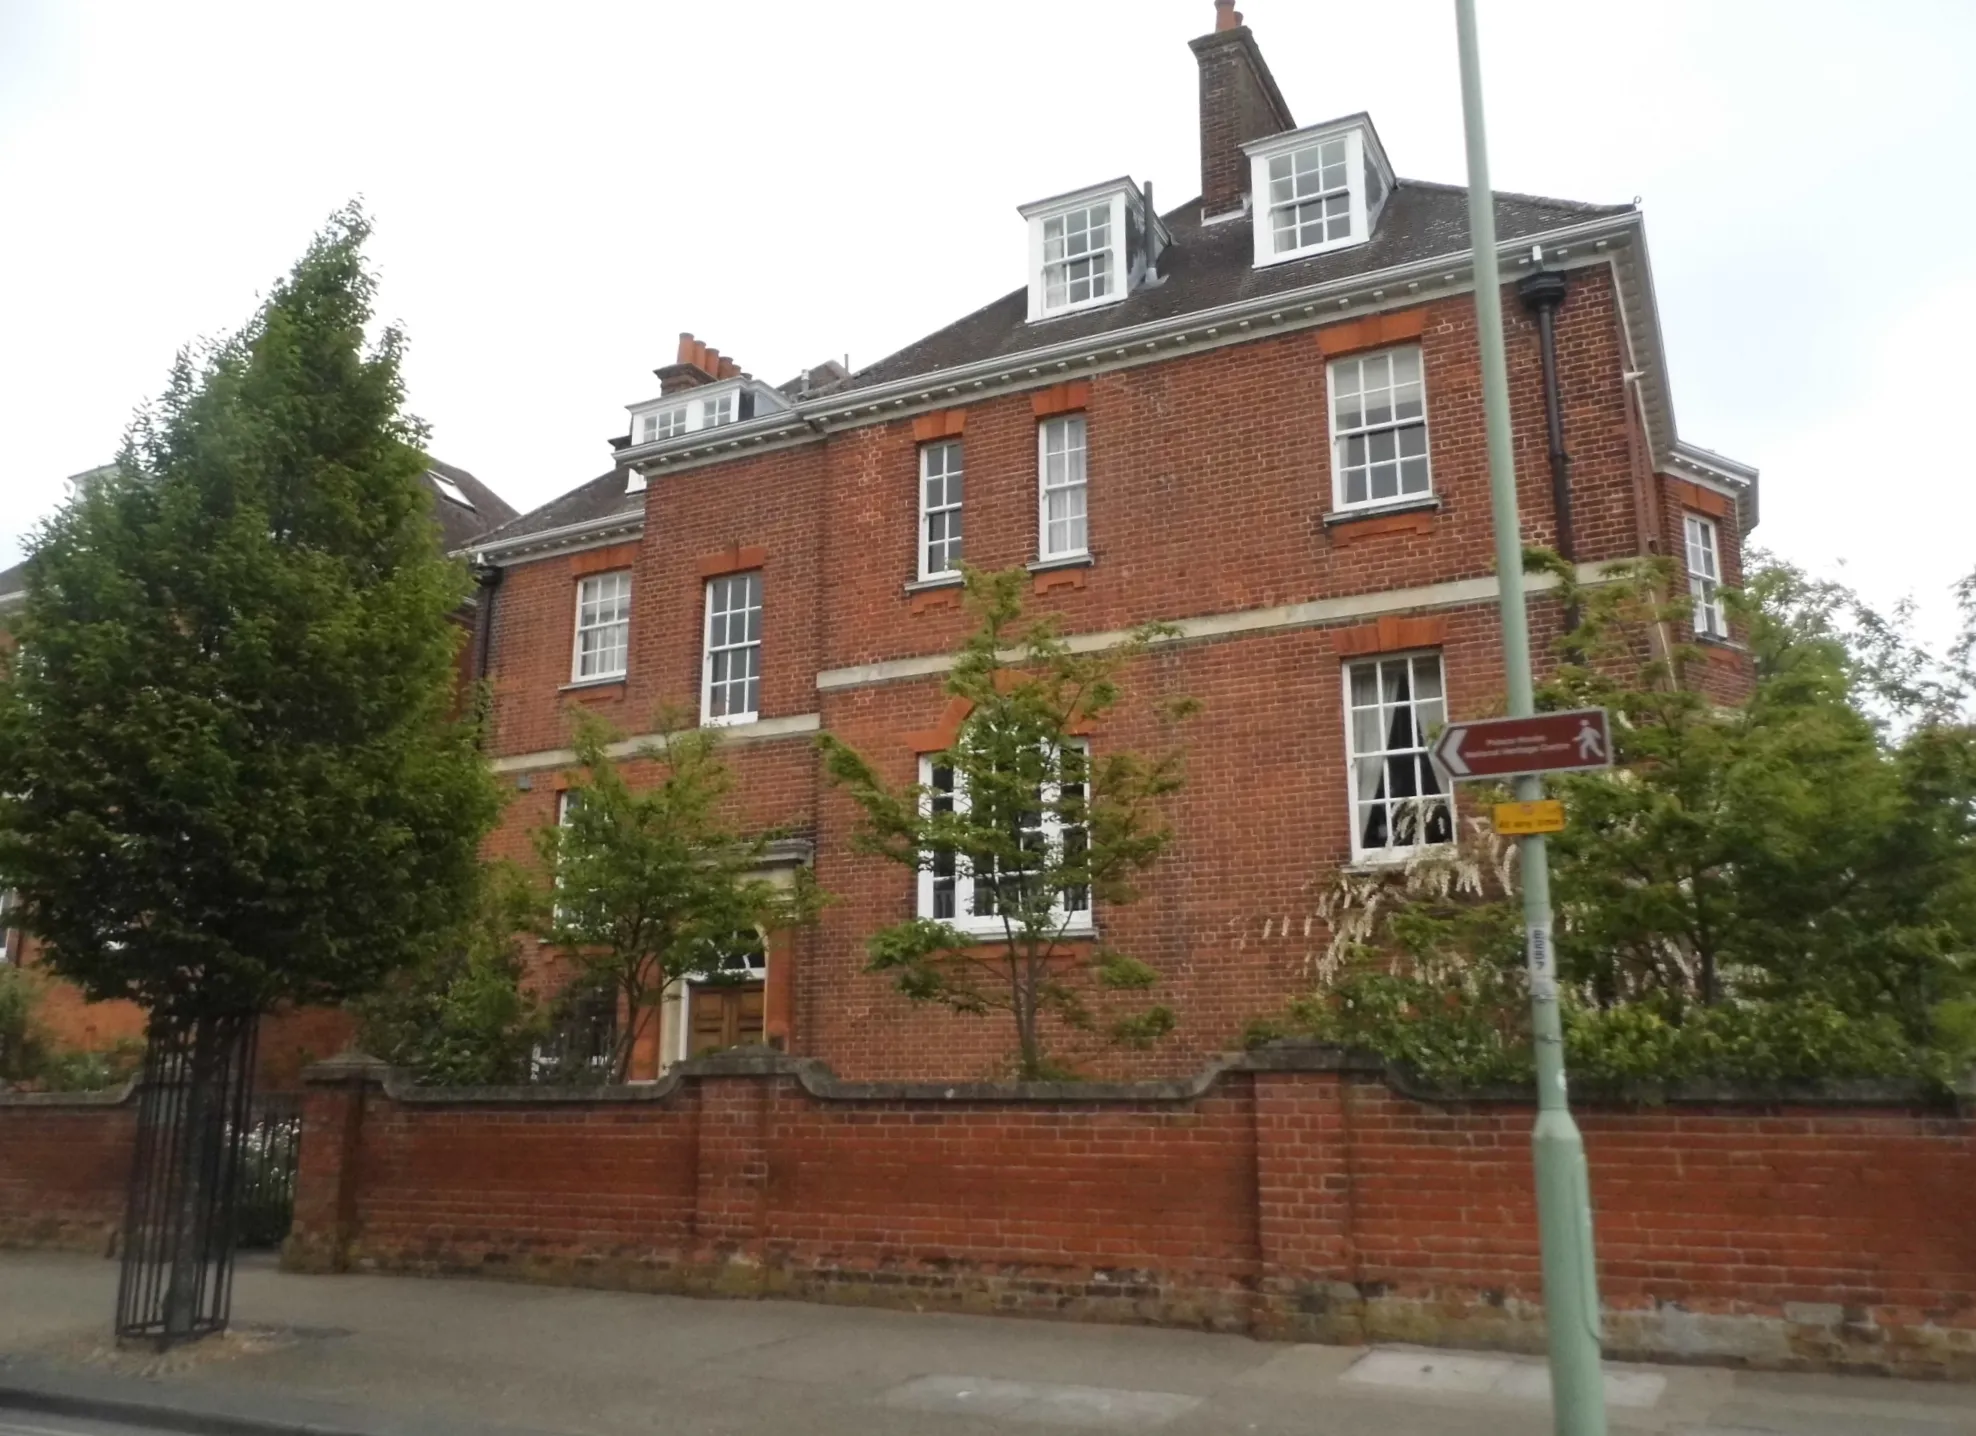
(1210, 494)
(1210, 504)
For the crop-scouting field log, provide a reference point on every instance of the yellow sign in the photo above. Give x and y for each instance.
(1518, 820)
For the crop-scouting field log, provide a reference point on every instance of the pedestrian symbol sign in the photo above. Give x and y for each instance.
(1566, 742)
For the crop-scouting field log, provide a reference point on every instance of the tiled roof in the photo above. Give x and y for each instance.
(1213, 265)
(461, 526)
(603, 497)
(1208, 266)
(13, 580)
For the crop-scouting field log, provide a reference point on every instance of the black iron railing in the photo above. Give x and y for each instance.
(181, 1218)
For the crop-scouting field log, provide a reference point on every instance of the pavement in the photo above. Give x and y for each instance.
(399, 1356)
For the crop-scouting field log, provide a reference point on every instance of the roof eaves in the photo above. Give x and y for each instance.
(585, 533)
(1719, 470)
(702, 442)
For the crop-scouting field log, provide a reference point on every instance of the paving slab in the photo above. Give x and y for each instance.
(398, 1354)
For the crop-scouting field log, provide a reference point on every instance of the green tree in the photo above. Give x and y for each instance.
(1023, 818)
(231, 774)
(656, 883)
(232, 777)
(1782, 887)
(1814, 840)
(466, 1016)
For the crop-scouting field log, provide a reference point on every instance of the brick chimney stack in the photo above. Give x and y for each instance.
(1239, 103)
(696, 364)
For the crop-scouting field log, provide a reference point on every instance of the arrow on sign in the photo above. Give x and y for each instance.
(1568, 742)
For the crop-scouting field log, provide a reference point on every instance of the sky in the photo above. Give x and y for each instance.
(558, 190)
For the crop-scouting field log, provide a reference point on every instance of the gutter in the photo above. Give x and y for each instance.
(588, 531)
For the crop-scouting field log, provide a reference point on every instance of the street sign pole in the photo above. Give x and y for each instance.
(1564, 1204)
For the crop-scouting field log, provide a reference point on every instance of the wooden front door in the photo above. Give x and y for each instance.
(724, 1015)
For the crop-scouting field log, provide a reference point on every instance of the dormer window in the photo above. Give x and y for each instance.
(661, 424)
(676, 415)
(1087, 249)
(1310, 204)
(1077, 257)
(1318, 189)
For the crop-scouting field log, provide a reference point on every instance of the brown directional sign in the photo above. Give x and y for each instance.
(1541, 743)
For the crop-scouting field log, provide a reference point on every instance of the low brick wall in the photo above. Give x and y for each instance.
(64, 1164)
(1293, 1192)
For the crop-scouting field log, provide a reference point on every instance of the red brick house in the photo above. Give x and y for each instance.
(1256, 416)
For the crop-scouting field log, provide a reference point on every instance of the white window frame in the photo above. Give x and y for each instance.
(1121, 265)
(10, 902)
(1086, 244)
(1392, 425)
(1423, 732)
(566, 802)
(1361, 149)
(657, 424)
(708, 648)
(620, 620)
(953, 492)
(1705, 576)
(1081, 922)
(717, 411)
(1069, 425)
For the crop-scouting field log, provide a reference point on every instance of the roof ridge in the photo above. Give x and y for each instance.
(1581, 206)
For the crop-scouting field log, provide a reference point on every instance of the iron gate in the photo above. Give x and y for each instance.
(181, 1218)
(267, 1170)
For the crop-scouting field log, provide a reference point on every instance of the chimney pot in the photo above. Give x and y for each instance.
(698, 363)
(1226, 16)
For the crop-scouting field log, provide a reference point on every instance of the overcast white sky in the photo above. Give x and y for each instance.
(560, 189)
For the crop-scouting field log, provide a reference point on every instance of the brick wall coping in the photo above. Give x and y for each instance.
(108, 1097)
(819, 1081)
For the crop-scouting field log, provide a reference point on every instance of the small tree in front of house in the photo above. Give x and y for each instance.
(655, 884)
(1018, 831)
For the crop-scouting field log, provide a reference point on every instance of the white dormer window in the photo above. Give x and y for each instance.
(675, 416)
(661, 424)
(1310, 204)
(1077, 257)
(1317, 190)
(1086, 249)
